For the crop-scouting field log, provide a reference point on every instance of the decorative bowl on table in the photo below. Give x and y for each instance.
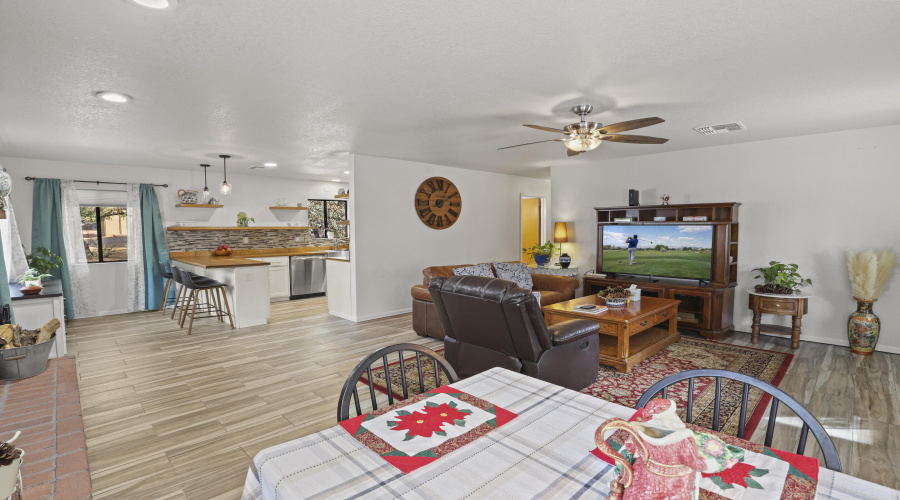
(31, 290)
(615, 302)
(222, 251)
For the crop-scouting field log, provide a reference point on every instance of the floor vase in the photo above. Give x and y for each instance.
(863, 328)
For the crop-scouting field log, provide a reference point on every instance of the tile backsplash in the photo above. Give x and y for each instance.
(190, 241)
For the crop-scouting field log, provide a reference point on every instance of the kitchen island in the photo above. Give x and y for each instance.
(246, 280)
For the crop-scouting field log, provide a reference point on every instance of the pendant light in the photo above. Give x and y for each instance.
(205, 189)
(225, 188)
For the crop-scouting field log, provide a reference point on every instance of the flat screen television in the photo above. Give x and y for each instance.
(662, 250)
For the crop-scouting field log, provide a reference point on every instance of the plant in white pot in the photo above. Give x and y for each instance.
(869, 271)
(31, 280)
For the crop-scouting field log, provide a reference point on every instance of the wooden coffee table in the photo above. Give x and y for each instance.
(627, 334)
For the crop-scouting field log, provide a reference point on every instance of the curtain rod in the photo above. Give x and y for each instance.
(102, 182)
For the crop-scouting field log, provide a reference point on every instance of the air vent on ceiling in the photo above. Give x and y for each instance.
(720, 129)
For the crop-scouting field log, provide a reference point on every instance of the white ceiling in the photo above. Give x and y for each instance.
(303, 83)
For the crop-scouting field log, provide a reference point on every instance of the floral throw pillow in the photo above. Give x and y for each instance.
(476, 270)
(517, 273)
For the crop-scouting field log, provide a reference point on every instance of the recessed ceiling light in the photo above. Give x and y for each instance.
(157, 4)
(346, 171)
(270, 164)
(335, 180)
(113, 96)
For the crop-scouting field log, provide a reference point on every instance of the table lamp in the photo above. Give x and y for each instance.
(561, 235)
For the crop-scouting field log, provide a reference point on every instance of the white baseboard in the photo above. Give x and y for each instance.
(343, 316)
(830, 341)
(384, 314)
(110, 313)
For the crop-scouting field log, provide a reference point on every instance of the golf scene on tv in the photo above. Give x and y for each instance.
(658, 250)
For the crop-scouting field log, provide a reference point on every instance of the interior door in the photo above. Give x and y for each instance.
(531, 224)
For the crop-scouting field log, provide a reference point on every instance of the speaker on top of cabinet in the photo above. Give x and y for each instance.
(633, 198)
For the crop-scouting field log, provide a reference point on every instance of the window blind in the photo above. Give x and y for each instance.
(101, 198)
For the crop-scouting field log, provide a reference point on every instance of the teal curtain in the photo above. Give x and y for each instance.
(155, 248)
(4, 285)
(47, 228)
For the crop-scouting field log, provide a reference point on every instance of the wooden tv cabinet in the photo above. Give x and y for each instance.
(707, 306)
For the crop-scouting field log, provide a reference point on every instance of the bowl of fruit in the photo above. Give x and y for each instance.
(222, 251)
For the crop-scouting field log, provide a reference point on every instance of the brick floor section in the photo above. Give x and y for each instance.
(47, 409)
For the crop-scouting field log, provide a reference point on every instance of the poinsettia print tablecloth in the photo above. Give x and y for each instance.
(424, 428)
(759, 472)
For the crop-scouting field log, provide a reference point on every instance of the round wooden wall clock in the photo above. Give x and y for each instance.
(438, 203)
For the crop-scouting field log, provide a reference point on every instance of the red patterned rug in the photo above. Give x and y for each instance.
(686, 354)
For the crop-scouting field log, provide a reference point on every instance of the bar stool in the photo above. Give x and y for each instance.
(181, 296)
(197, 284)
(169, 278)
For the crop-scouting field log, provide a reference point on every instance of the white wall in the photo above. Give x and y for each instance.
(390, 245)
(252, 194)
(806, 200)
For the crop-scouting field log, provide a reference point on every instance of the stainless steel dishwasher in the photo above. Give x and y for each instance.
(307, 276)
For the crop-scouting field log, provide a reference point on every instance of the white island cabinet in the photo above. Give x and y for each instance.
(246, 280)
(340, 302)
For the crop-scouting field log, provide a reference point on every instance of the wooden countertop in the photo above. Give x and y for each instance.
(241, 258)
(210, 261)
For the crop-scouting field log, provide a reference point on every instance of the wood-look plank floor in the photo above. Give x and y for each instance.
(168, 415)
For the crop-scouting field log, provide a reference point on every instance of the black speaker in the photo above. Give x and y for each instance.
(634, 198)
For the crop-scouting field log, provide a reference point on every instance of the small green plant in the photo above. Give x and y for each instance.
(31, 275)
(243, 220)
(44, 261)
(780, 278)
(545, 250)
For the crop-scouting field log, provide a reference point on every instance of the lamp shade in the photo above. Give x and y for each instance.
(560, 233)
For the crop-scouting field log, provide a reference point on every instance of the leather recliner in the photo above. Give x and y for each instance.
(491, 322)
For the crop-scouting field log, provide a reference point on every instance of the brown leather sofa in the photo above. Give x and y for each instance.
(491, 322)
(425, 321)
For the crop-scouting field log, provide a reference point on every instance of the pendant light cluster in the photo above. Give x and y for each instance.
(225, 188)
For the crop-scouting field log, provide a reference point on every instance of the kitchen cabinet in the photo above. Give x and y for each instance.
(279, 277)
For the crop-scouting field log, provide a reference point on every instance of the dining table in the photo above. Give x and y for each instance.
(544, 452)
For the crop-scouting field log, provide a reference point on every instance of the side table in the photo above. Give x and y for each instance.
(557, 271)
(785, 305)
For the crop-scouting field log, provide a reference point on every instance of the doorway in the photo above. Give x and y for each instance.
(533, 230)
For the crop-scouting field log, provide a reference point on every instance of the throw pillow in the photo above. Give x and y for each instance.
(517, 273)
(476, 270)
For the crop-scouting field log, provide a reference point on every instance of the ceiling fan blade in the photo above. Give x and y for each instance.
(630, 125)
(569, 152)
(635, 139)
(527, 143)
(548, 129)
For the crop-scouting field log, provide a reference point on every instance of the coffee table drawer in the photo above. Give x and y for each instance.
(609, 328)
(664, 316)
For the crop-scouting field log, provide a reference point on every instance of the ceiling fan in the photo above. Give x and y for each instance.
(585, 136)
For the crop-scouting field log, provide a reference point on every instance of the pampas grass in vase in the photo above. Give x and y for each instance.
(869, 271)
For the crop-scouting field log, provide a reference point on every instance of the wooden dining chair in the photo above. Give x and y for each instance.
(365, 367)
(832, 460)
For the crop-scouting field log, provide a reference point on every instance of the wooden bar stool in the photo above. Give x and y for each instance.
(181, 296)
(196, 284)
(169, 278)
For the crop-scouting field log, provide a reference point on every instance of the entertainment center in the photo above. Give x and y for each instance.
(707, 305)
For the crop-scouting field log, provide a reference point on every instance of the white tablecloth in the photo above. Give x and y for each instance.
(543, 453)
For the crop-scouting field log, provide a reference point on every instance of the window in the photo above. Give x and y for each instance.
(104, 225)
(324, 215)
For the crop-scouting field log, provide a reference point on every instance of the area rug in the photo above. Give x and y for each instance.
(626, 388)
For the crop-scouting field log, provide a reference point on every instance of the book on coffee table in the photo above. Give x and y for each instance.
(586, 308)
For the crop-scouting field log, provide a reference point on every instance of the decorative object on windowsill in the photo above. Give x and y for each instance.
(225, 188)
(665, 199)
(782, 279)
(205, 167)
(41, 262)
(222, 251)
(187, 197)
(541, 253)
(665, 457)
(243, 220)
(615, 296)
(561, 235)
(869, 271)
(5, 188)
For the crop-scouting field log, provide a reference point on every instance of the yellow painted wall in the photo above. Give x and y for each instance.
(531, 224)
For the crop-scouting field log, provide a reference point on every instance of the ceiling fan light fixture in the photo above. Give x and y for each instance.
(582, 142)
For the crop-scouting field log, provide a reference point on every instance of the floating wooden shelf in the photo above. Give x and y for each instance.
(288, 208)
(342, 196)
(343, 223)
(197, 205)
(235, 228)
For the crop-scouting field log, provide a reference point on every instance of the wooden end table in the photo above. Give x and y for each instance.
(627, 334)
(785, 305)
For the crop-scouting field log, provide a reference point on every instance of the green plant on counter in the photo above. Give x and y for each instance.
(31, 275)
(780, 278)
(43, 261)
(546, 249)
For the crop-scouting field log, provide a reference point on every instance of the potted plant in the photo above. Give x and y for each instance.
(41, 262)
(243, 220)
(782, 279)
(869, 275)
(31, 282)
(541, 253)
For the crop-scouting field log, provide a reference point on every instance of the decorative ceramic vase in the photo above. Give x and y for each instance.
(542, 260)
(187, 197)
(863, 328)
(565, 260)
